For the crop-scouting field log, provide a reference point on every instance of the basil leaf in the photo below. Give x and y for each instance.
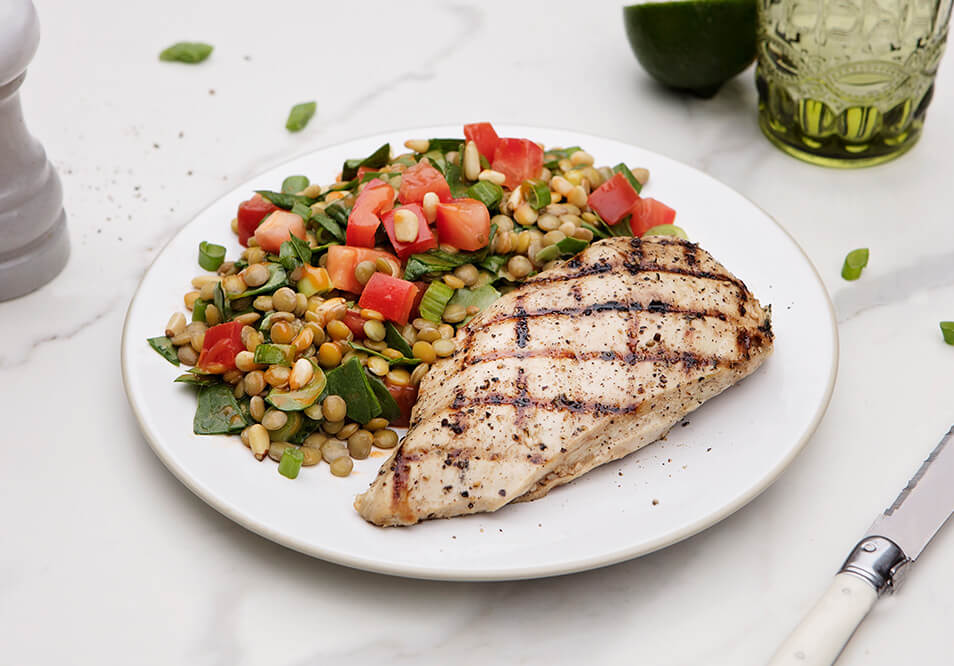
(294, 184)
(403, 360)
(446, 145)
(350, 381)
(299, 116)
(217, 412)
(389, 406)
(329, 225)
(396, 341)
(187, 52)
(628, 175)
(375, 160)
(276, 278)
(197, 380)
(167, 350)
(283, 200)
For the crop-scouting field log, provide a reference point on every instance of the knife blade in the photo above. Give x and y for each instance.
(878, 562)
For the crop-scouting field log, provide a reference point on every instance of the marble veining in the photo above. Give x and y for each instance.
(105, 558)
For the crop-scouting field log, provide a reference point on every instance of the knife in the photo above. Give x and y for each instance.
(877, 564)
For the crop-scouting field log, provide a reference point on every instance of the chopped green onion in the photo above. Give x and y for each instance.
(290, 463)
(198, 310)
(628, 174)
(854, 262)
(947, 330)
(375, 160)
(486, 193)
(434, 301)
(187, 52)
(166, 349)
(273, 354)
(299, 116)
(295, 184)
(537, 194)
(211, 256)
(666, 230)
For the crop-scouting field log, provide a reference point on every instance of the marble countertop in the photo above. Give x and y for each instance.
(106, 558)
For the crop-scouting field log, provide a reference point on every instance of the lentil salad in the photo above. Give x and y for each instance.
(311, 344)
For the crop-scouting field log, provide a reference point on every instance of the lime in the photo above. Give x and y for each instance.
(693, 45)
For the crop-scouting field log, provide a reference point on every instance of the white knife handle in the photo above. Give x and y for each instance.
(823, 633)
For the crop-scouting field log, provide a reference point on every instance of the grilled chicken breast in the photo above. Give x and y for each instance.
(581, 365)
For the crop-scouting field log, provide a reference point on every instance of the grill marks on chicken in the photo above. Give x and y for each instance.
(580, 365)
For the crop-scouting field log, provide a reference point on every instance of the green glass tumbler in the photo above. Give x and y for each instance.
(847, 83)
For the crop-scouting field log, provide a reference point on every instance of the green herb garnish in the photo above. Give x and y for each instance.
(486, 193)
(290, 463)
(166, 349)
(187, 52)
(217, 412)
(628, 174)
(211, 256)
(538, 194)
(299, 116)
(295, 184)
(350, 381)
(434, 301)
(855, 261)
(375, 160)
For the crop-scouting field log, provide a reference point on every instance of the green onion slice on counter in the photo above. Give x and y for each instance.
(187, 52)
(211, 256)
(947, 330)
(854, 263)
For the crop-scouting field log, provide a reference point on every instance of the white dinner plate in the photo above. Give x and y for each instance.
(729, 451)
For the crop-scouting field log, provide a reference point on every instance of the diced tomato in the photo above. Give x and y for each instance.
(277, 228)
(250, 213)
(355, 322)
(518, 160)
(421, 179)
(220, 346)
(649, 213)
(484, 135)
(614, 199)
(390, 296)
(375, 199)
(463, 223)
(342, 260)
(425, 237)
(416, 307)
(405, 397)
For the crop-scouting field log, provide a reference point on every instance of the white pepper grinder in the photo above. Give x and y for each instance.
(34, 244)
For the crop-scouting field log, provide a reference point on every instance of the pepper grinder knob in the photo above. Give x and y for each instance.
(34, 244)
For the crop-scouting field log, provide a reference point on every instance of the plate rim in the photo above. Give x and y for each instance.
(561, 568)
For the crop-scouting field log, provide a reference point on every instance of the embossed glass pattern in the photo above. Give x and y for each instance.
(847, 82)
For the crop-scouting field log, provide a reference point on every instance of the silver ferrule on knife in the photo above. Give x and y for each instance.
(879, 561)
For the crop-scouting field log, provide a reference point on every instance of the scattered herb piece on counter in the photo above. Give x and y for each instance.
(217, 413)
(166, 349)
(947, 330)
(300, 115)
(190, 53)
(855, 262)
